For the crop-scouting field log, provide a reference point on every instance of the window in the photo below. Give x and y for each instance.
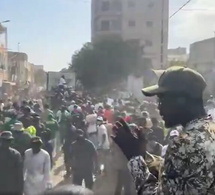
(149, 23)
(131, 23)
(105, 6)
(131, 3)
(148, 43)
(105, 25)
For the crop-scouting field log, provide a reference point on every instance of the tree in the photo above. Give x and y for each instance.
(101, 64)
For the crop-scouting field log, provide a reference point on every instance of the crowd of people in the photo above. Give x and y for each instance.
(115, 146)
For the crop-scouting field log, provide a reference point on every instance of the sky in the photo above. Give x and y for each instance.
(50, 31)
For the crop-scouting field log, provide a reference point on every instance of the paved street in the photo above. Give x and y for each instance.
(58, 171)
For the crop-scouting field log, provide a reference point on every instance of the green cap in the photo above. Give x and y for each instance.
(179, 80)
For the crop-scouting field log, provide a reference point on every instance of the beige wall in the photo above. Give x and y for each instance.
(147, 17)
(202, 55)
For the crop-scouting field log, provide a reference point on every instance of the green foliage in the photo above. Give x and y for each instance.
(104, 63)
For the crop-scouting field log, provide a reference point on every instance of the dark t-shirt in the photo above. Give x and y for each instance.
(159, 134)
(11, 172)
(82, 155)
(21, 141)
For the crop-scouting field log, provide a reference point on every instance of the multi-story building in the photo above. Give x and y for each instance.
(202, 55)
(202, 59)
(18, 67)
(3, 53)
(145, 21)
(178, 54)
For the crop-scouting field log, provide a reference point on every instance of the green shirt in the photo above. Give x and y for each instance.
(9, 125)
(53, 126)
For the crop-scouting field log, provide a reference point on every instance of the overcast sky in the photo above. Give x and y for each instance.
(194, 23)
(50, 31)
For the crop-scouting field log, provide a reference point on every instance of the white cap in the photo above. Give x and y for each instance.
(174, 133)
(100, 118)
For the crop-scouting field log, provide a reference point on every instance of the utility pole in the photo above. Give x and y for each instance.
(162, 35)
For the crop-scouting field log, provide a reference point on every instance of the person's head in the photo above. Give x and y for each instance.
(100, 108)
(180, 95)
(15, 105)
(26, 111)
(5, 139)
(155, 122)
(24, 103)
(68, 190)
(75, 107)
(46, 106)
(36, 144)
(145, 114)
(63, 76)
(18, 127)
(100, 120)
(173, 134)
(63, 108)
(107, 107)
(123, 114)
(36, 106)
(47, 135)
(80, 135)
(141, 121)
(30, 103)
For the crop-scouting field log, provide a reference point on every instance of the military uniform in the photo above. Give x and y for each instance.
(189, 166)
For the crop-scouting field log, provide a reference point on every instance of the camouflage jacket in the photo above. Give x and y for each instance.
(188, 167)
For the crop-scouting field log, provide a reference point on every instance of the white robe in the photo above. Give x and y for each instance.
(37, 172)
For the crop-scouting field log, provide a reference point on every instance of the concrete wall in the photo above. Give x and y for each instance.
(202, 59)
(202, 55)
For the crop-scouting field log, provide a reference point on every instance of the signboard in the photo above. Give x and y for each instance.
(53, 79)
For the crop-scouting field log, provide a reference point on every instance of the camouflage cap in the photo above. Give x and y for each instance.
(179, 80)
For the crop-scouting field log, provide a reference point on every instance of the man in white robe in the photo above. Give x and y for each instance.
(37, 168)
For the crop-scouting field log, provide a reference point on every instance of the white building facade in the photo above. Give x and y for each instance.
(145, 21)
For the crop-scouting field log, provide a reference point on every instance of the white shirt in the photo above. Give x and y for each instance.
(103, 131)
(36, 172)
(71, 108)
(91, 120)
(62, 81)
(163, 153)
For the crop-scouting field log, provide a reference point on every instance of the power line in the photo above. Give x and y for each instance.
(180, 8)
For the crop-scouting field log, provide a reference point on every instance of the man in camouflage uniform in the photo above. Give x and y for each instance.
(189, 166)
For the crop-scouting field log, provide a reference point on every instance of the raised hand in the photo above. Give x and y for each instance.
(128, 141)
